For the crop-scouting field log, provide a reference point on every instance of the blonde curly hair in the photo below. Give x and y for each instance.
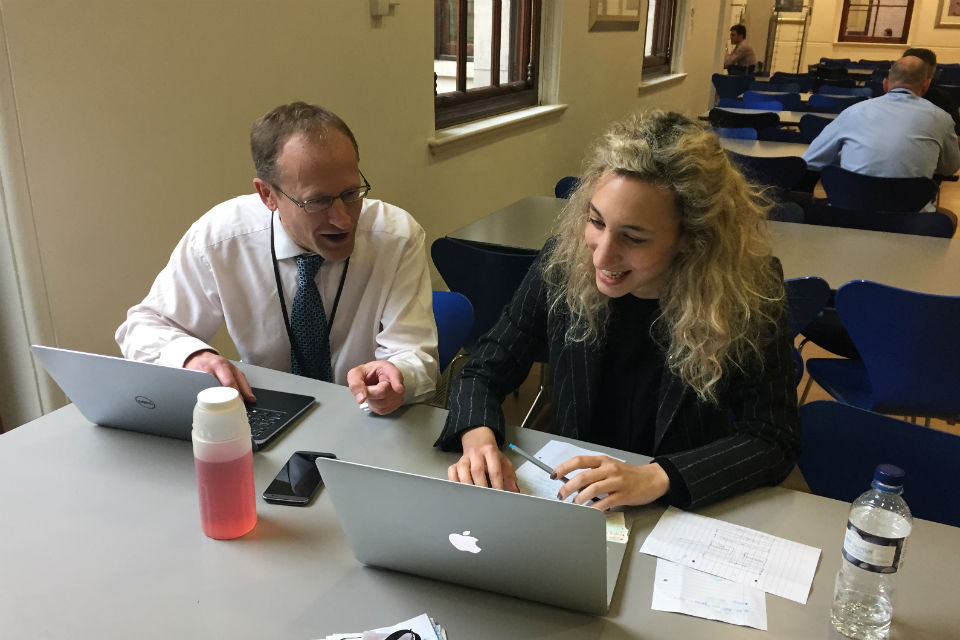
(723, 295)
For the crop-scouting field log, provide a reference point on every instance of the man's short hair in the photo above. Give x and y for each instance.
(272, 130)
(739, 28)
(929, 57)
(906, 73)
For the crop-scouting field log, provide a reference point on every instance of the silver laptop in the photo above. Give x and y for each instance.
(155, 399)
(524, 546)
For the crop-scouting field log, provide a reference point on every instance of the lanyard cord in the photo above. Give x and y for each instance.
(283, 302)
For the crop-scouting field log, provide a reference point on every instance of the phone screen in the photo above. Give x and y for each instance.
(298, 481)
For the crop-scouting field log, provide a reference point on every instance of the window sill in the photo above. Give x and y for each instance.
(478, 129)
(658, 81)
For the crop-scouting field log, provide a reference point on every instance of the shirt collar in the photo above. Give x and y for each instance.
(903, 90)
(283, 244)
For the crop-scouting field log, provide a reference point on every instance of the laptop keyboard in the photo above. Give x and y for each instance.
(263, 422)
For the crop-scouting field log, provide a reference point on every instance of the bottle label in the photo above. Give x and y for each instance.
(870, 552)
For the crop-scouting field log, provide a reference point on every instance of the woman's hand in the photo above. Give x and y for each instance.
(625, 484)
(482, 462)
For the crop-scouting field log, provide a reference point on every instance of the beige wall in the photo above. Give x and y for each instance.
(825, 26)
(134, 117)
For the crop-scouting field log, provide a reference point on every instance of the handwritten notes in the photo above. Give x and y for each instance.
(743, 555)
(682, 590)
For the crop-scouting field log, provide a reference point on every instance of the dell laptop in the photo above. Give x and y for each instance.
(525, 546)
(156, 399)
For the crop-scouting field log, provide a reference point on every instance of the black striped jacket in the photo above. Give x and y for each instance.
(752, 438)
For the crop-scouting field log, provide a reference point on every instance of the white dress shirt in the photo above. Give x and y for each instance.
(221, 271)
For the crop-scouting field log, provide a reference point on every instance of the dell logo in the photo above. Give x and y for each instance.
(146, 402)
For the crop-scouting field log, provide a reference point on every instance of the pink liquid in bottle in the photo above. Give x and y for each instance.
(228, 506)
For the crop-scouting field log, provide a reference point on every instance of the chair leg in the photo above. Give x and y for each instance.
(806, 389)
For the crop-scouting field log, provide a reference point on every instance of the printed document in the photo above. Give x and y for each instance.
(683, 590)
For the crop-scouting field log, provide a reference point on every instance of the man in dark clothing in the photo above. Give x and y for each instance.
(935, 94)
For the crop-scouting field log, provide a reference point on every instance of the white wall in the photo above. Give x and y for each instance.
(134, 116)
(825, 26)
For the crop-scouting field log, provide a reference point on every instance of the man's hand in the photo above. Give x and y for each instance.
(379, 384)
(482, 463)
(625, 484)
(226, 372)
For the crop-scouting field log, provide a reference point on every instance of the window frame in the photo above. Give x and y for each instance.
(664, 31)
(465, 105)
(842, 36)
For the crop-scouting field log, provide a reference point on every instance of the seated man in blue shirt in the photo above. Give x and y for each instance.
(897, 135)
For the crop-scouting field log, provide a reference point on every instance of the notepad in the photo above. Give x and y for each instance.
(746, 556)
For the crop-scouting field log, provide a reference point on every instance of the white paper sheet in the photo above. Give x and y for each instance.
(422, 625)
(683, 590)
(534, 481)
(746, 556)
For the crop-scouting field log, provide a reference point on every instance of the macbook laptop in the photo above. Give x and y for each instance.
(524, 546)
(156, 399)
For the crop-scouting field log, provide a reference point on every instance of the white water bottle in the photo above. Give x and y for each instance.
(223, 457)
(873, 550)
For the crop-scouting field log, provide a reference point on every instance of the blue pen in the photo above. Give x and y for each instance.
(535, 461)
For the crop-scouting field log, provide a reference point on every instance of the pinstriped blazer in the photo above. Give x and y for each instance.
(751, 438)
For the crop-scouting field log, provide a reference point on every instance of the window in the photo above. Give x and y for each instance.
(486, 58)
(658, 48)
(875, 21)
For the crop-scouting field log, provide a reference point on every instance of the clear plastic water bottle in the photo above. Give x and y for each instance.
(223, 456)
(873, 551)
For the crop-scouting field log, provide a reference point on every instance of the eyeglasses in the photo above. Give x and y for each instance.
(323, 203)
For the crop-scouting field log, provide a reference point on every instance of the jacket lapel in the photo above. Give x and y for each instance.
(672, 390)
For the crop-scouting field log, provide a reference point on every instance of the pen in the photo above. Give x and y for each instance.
(535, 461)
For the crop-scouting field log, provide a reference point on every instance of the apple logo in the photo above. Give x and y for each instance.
(464, 542)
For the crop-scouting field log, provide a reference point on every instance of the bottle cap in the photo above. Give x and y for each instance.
(889, 475)
(220, 415)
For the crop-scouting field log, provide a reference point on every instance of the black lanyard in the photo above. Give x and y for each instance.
(283, 302)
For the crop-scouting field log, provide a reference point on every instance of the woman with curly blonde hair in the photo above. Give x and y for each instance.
(662, 310)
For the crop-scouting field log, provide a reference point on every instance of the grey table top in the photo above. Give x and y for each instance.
(786, 117)
(836, 254)
(101, 539)
(764, 148)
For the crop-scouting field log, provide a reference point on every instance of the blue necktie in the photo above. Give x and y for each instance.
(308, 323)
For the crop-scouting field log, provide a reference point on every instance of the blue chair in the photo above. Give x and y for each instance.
(730, 86)
(736, 133)
(758, 121)
(917, 223)
(566, 186)
(908, 345)
(858, 192)
(949, 75)
(835, 62)
(804, 81)
(806, 298)
(781, 134)
(831, 104)
(776, 87)
(735, 103)
(453, 314)
(763, 105)
(844, 91)
(811, 126)
(781, 173)
(842, 445)
(487, 275)
(788, 101)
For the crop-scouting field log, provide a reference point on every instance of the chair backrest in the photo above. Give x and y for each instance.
(780, 87)
(877, 64)
(832, 104)
(830, 90)
(758, 121)
(842, 445)
(737, 133)
(453, 314)
(917, 223)
(804, 81)
(811, 126)
(949, 75)
(835, 62)
(488, 276)
(730, 86)
(566, 186)
(764, 104)
(788, 101)
(806, 298)
(781, 134)
(782, 173)
(909, 345)
(869, 193)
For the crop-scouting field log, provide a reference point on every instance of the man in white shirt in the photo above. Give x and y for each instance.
(243, 262)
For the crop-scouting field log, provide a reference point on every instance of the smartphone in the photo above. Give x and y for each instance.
(298, 481)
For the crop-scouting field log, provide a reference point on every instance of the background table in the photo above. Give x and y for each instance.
(101, 539)
(786, 117)
(764, 148)
(836, 254)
